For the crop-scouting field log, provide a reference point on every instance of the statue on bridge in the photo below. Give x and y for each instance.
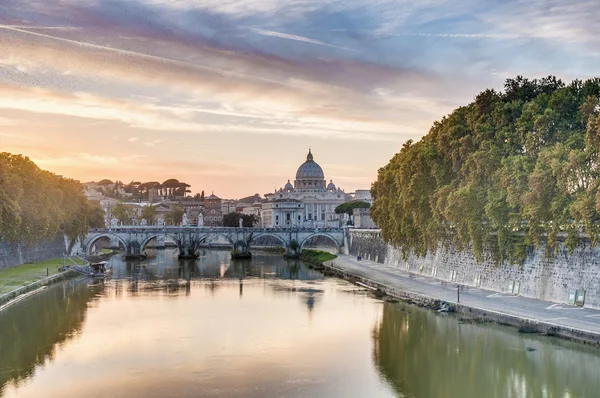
(114, 223)
(241, 222)
(185, 221)
(160, 222)
(200, 220)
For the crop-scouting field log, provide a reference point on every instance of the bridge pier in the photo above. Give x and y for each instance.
(115, 243)
(160, 242)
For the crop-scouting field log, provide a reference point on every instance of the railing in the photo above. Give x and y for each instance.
(135, 228)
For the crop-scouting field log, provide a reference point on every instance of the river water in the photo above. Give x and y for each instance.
(265, 328)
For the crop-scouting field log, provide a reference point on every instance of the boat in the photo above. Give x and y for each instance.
(100, 269)
(137, 257)
(237, 255)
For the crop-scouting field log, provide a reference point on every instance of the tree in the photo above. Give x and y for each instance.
(122, 213)
(505, 172)
(233, 220)
(349, 207)
(36, 204)
(175, 215)
(149, 213)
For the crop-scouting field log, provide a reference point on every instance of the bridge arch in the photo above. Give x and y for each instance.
(109, 236)
(338, 245)
(285, 243)
(147, 240)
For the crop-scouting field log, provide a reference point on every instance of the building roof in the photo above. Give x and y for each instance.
(310, 170)
(213, 197)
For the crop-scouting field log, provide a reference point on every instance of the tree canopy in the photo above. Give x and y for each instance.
(233, 220)
(510, 170)
(349, 207)
(36, 204)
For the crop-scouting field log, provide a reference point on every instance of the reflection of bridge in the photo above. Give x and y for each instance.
(188, 239)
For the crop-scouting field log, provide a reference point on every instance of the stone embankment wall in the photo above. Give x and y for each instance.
(538, 277)
(12, 254)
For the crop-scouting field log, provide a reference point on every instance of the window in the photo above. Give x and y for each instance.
(299, 218)
(276, 218)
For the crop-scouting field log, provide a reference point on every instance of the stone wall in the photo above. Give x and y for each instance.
(12, 254)
(539, 277)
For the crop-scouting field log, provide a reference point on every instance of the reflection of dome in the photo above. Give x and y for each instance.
(310, 169)
(331, 186)
(289, 186)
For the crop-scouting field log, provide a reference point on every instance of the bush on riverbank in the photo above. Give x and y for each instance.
(316, 257)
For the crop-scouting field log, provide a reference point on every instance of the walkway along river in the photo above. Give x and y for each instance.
(269, 327)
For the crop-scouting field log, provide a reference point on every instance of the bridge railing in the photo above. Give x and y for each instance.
(135, 228)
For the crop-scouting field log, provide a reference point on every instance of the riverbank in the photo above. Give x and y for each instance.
(22, 292)
(22, 275)
(316, 258)
(529, 315)
(26, 278)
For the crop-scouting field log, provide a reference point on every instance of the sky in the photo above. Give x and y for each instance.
(228, 95)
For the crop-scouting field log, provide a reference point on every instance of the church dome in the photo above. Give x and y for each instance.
(310, 170)
(331, 186)
(289, 186)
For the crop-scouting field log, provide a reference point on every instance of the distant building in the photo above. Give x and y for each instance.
(364, 195)
(213, 212)
(154, 195)
(311, 189)
(228, 206)
(283, 213)
(362, 218)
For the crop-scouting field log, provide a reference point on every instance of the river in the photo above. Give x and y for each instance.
(265, 328)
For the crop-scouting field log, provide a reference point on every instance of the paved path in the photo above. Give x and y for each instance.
(560, 314)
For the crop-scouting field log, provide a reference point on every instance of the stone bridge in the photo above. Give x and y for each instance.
(135, 238)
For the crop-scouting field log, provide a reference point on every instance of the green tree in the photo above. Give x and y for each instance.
(349, 207)
(149, 213)
(507, 171)
(175, 215)
(122, 213)
(233, 220)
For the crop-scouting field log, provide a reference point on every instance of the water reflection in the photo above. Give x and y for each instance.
(30, 338)
(423, 354)
(266, 327)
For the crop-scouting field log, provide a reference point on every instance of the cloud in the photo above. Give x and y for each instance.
(295, 38)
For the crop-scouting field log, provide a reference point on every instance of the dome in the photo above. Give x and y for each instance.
(331, 186)
(310, 170)
(289, 186)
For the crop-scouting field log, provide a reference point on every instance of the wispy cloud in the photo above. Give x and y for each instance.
(296, 38)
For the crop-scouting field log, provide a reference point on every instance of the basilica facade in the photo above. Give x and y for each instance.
(309, 202)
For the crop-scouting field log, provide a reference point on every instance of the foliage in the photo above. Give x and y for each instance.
(233, 220)
(36, 204)
(505, 172)
(349, 207)
(317, 257)
(175, 215)
(251, 199)
(122, 213)
(149, 213)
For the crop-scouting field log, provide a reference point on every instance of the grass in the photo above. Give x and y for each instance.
(316, 257)
(15, 277)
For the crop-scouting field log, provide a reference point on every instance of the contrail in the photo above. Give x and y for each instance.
(143, 55)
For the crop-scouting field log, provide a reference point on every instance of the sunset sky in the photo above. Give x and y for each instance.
(228, 95)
